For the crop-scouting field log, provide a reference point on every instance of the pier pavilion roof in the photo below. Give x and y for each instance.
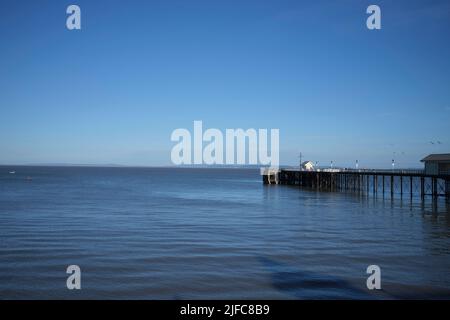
(441, 157)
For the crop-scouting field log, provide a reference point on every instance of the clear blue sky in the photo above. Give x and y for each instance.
(114, 91)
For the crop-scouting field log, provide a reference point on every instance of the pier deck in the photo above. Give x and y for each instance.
(403, 182)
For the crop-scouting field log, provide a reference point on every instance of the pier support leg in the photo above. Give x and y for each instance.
(374, 178)
(422, 187)
(392, 186)
(411, 186)
(401, 186)
(435, 189)
(447, 188)
(367, 182)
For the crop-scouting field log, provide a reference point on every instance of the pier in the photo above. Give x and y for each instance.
(406, 183)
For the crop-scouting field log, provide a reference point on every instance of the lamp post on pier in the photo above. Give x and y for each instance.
(300, 165)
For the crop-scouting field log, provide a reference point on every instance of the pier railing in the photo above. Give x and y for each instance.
(363, 170)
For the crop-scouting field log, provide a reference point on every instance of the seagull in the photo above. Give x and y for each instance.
(431, 142)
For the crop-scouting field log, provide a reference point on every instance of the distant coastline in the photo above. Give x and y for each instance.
(133, 166)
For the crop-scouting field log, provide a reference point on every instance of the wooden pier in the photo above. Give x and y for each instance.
(409, 183)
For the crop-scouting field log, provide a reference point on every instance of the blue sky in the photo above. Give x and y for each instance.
(114, 91)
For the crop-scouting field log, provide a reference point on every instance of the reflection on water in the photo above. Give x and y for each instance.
(211, 233)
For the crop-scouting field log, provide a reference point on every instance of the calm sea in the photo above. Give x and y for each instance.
(146, 233)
